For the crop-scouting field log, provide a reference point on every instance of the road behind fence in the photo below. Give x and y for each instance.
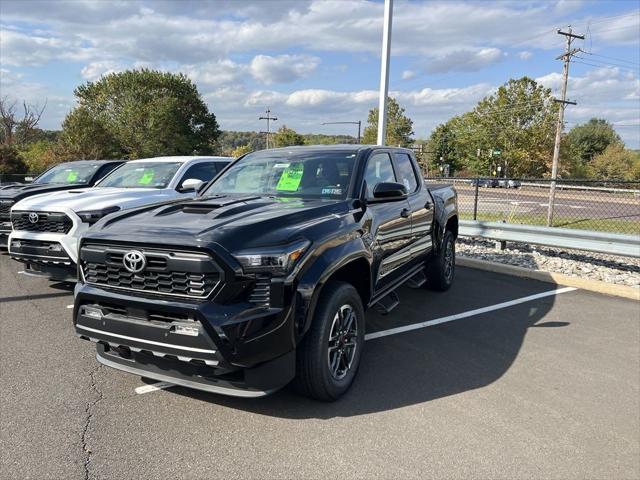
(587, 205)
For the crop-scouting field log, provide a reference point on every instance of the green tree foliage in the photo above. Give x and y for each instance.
(592, 138)
(86, 136)
(39, 155)
(286, 137)
(229, 140)
(140, 113)
(10, 161)
(241, 150)
(399, 126)
(615, 163)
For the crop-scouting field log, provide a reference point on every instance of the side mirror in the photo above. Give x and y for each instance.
(389, 191)
(191, 184)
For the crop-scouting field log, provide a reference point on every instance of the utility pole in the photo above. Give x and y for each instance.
(359, 123)
(269, 119)
(384, 72)
(566, 57)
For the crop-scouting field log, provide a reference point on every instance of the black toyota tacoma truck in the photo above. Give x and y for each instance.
(65, 176)
(265, 277)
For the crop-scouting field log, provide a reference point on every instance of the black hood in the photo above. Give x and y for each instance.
(18, 192)
(235, 223)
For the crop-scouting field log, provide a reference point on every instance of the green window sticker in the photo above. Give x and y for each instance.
(290, 178)
(146, 178)
(72, 176)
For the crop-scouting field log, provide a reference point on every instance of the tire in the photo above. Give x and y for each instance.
(441, 269)
(317, 376)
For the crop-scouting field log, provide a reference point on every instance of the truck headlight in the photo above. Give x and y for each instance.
(276, 260)
(92, 216)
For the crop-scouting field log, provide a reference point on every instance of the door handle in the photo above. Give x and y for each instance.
(405, 213)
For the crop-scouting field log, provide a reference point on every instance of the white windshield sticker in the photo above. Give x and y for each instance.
(281, 165)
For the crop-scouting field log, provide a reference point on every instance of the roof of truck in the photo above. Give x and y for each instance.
(182, 159)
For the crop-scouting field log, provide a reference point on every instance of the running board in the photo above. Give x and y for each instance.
(418, 280)
(387, 303)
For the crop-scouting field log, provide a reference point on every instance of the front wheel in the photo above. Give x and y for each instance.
(441, 268)
(329, 355)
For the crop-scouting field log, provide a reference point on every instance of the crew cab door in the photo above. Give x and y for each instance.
(390, 223)
(420, 204)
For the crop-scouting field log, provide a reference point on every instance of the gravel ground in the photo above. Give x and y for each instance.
(606, 268)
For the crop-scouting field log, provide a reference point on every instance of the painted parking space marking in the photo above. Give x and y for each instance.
(70, 306)
(154, 387)
(467, 314)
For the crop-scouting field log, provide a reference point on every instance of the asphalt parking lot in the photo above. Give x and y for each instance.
(500, 377)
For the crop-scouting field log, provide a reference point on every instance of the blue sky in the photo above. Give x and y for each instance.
(314, 61)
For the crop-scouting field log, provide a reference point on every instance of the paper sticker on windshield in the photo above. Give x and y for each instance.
(281, 165)
(331, 191)
(72, 176)
(146, 178)
(290, 178)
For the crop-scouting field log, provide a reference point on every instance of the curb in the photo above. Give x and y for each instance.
(623, 291)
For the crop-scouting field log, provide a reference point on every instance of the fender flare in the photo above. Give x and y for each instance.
(318, 273)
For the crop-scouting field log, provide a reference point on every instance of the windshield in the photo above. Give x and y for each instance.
(69, 173)
(281, 173)
(141, 175)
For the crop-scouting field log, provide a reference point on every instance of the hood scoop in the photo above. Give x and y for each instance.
(205, 206)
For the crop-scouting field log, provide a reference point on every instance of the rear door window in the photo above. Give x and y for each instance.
(406, 173)
(379, 169)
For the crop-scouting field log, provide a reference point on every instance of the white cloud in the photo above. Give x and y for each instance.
(408, 75)
(525, 55)
(465, 60)
(95, 70)
(283, 68)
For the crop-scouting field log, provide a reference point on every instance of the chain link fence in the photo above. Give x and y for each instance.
(604, 206)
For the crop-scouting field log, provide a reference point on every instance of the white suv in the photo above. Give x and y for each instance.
(46, 228)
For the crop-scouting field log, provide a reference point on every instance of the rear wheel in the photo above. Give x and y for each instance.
(329, 355)
(441, 268)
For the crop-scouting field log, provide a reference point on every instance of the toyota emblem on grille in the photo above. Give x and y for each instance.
(33, 217)
(134, 261)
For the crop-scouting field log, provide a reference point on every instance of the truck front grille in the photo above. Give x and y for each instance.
(176, 273)
(49, 222)
(5, 208)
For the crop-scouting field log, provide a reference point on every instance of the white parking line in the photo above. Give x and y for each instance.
(470, 313)
(70, 306)
(154, 387)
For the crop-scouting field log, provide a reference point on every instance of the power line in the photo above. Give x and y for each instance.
(601, 66)
(612, 58)
(608, 64)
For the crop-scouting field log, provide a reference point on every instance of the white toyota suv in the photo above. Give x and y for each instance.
(46, 228)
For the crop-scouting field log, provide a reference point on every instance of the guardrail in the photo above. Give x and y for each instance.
(600, 242)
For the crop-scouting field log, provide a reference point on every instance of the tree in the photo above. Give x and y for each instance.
(513, 129)
(241, 150)
(592, 138)
(141, 113)
(399, 126)
(10, 161)
(16, 129)
(86, 136)
(615, 163)
(286, 137)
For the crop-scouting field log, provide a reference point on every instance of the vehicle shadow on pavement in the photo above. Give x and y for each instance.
(421, 365)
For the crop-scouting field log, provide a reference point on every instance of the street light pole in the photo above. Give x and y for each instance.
(359, 123)
(384, 72)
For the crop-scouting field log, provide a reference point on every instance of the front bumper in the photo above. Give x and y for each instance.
(5, 231)
(43, 258)
(239, 349)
